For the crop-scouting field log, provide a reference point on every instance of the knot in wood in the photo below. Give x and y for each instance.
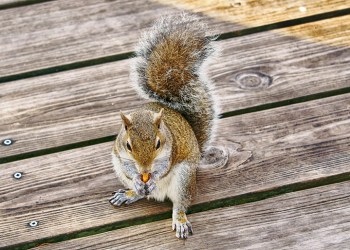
(214, 157)
(252, 80)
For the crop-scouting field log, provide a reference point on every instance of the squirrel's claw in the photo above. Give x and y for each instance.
(151, 185)
(181, 225)
(124, 196)
(182, 229)
(139, 187)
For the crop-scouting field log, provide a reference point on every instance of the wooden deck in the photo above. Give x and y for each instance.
(283, 78)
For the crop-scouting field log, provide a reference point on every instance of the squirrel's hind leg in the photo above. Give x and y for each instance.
(183, 187)
(126, 196)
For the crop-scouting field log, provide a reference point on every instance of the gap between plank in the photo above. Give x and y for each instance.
(111, 138)
(296, 100)
(233, 201)
(284, 24)
(122, 56)
(22, 3)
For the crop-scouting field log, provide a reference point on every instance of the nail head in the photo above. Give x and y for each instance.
(33, 223)
(7, 142)
(17, 175)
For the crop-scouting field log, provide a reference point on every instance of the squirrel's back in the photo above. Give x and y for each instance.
(169, 69)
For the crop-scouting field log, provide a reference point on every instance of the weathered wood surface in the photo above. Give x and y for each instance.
(317, 218)
(253, 13)
(83, 104)
(62, 32)
(68, 191)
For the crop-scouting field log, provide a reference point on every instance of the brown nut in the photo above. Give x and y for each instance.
(145, 177)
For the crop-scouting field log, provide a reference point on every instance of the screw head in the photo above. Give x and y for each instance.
(7, 142)
(33, 223)
(17, 175)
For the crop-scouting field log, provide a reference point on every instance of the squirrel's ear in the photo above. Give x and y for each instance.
(126, 120)
(158, 117)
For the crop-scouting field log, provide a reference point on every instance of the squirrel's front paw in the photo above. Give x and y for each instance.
(182, 226)
(150, 186)
(142, 188)
(124, 196)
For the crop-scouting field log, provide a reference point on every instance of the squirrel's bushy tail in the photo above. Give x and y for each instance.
(169, 69)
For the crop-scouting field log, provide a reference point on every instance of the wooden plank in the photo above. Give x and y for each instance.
(272, 66)
(317, 218)
(68, 191)
(83, 104)
(62, 32)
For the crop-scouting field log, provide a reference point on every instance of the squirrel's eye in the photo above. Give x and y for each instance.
(128, 146)
(158, 144)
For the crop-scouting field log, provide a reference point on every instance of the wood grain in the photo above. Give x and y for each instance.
(62, 32)
(68, 191)
(317, 218)
(83, 104)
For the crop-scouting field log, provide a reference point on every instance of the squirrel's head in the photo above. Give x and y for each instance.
(143, 137)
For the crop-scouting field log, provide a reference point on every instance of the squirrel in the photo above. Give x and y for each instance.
(159, 146)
